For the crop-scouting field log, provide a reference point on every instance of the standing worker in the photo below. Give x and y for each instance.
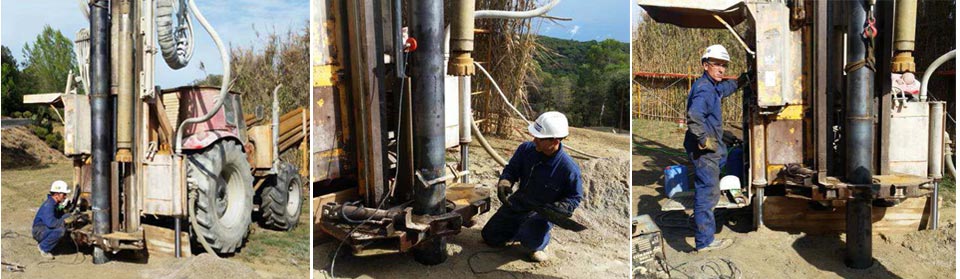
(549, 181)
(48, 225)
(703, 144)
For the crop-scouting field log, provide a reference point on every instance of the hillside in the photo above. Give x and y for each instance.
(588, 81)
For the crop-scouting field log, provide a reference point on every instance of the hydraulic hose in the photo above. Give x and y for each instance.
(516, 14)
(515, 110)
(486, 145)
(932, 68)
(502, 96)
(947, 154)
(225, 82)
(193, 224)
(950, 167)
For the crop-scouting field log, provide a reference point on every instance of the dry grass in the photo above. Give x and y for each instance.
(666, 48)
(505, 48)
(278, 58)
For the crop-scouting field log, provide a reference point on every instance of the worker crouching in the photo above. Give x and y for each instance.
(48, 225)
(549, 182)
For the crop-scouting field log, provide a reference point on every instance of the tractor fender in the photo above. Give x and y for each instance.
(204, 139)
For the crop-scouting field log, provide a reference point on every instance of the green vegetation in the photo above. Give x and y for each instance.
(257, 68)
(14, 85)
(587, 81)
(48, 61)
(288, 247)
(948, 189)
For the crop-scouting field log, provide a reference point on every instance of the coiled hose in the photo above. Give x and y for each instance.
(176, 43)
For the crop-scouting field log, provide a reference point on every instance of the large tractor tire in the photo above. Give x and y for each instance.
(281, 200)
(221, 176)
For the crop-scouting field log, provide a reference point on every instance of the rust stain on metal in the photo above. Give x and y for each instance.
(784, 143)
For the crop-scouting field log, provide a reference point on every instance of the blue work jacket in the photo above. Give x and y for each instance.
(48, 215)
(544, 180)
(704, 117)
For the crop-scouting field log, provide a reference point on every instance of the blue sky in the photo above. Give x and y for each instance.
(234, 20)
(592, 20)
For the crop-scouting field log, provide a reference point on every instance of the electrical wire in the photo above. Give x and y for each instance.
(333, 259)
(712, 269)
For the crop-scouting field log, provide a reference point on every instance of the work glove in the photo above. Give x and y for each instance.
(561, 208)
(709, 145)
(744, 79)
(63, 206)
(504, 189)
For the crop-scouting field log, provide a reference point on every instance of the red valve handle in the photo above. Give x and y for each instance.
(411, 45)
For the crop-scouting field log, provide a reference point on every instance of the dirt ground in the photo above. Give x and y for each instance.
(775, 254)
(599, 252)
(267, 254)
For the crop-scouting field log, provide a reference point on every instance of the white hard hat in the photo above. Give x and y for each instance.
(60, 187)
(730, 182)
(716, 52)
(550, 124)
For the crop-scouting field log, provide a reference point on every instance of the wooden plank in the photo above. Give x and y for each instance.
(795, 215)
(46, 98)
(160, 241)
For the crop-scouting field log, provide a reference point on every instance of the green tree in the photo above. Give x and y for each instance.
(49, 60)
(587, 81)
(603, 75)
(14, 85)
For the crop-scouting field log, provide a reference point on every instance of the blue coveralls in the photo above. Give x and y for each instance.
(48, 225)
(543, 180)
(704, 120)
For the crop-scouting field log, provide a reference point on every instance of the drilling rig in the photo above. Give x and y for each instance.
(391, 93)
(148, 160)
(826, 116)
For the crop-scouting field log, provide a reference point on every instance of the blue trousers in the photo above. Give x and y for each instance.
(707, 186)
(511, 224)
(47, 238)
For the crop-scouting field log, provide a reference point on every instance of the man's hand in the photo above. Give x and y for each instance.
(744, 79)
(504, 189)
(709, 145)
(68, 218)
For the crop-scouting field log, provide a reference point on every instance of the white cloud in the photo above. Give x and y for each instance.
(574, 30)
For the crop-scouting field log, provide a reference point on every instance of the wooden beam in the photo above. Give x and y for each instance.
(795, 215)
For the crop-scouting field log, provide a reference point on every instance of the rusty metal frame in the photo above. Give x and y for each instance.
(401, 230)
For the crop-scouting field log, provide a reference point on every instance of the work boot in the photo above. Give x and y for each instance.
(716, 245)
(539, 256)
(43, 254)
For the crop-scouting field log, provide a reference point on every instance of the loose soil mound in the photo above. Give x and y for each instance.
(23, 149)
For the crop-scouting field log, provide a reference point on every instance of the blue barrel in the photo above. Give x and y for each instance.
(675, 180)
(734, 162)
